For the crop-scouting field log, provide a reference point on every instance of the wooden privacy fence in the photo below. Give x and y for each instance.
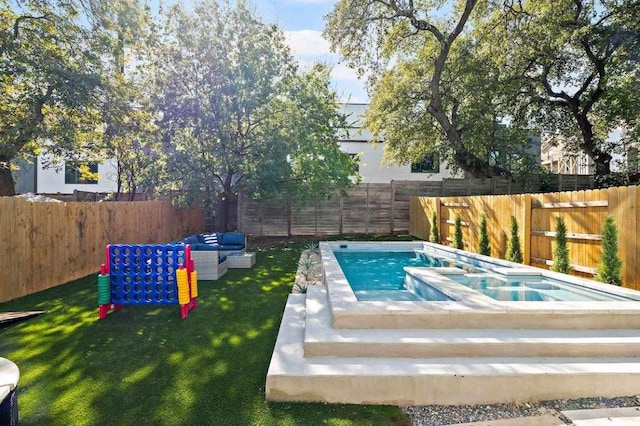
(47, 244)
(584, 213)
(365, 209)
(369, 208)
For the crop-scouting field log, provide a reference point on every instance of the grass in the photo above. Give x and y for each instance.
(145, 365)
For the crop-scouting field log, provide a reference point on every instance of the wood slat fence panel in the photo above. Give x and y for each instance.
(47, 244)
(371, 208)
(584, 213)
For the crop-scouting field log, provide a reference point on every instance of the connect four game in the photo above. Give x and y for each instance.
(147, 274)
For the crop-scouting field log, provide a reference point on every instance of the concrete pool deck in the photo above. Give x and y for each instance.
(333, 348)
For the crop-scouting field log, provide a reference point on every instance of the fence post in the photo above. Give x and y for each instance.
(392, 206)
(341, 224)
(438, 218)
(289, 213)
(239, 210)
(526, 250)
(366, 222)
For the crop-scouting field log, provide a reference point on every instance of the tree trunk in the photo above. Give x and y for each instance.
(209, 207)
(223, 212)
(7, 185)
(602, 160)
(224, 201)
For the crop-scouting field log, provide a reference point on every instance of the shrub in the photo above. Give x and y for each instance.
(457, 236)
(610, 264)
(561, 252)
(484, 247)
(434, 235)
(514, 253)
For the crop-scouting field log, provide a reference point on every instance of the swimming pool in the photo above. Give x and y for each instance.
(393, 273)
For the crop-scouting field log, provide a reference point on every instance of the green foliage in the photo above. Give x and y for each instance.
(57, 77)
(306, 266)
(484, 246)
(569, 69)
(457, 234)
(560, 251)
(236, 113)
(514, 253)
(437, 86)
(441, 70)
(610, 266)
(312, 246)
(434, 233)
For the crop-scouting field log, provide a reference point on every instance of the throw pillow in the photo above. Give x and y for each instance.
(210, 238)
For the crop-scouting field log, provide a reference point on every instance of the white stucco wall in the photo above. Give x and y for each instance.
(51, 181)
(373, 171)
(359, 141)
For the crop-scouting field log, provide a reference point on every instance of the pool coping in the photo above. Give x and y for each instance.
(477, 311)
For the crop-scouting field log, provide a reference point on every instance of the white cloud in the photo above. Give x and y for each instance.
(343, 72)
(307, 43)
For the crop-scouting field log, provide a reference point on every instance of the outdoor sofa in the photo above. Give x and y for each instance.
(210, 251)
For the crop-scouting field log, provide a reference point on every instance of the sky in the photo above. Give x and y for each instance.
(302, 22)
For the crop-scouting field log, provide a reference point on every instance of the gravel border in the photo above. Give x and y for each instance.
(436, 415)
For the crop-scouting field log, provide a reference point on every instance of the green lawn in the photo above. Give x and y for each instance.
(145, 365)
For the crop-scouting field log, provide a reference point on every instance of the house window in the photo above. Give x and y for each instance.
(356, 163)
(80, 172)
(429, 164)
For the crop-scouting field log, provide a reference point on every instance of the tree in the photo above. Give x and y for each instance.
(437, 97)
(484, 246)
(457, 234)
(236, 114)
(56, 81)
(434, 234)
(573, 63)
(130, 135)
(561, 252)
(610, 264)
(514, 253)
(50, 75)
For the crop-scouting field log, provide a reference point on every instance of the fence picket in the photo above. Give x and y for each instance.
(47, 244)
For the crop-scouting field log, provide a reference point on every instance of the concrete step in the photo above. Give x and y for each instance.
(322, 340)
(420, 381)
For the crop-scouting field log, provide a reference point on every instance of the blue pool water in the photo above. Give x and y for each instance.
(380, 275)
(532, 290)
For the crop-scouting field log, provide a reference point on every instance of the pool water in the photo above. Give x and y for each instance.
(532, 290)
(380, 275)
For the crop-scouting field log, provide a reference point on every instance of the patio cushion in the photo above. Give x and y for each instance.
(193, 239)
(235, 239)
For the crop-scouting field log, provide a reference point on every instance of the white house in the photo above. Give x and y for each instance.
(359, 141)
(64, 178)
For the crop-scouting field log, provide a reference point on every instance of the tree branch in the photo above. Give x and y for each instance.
(16, 24)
